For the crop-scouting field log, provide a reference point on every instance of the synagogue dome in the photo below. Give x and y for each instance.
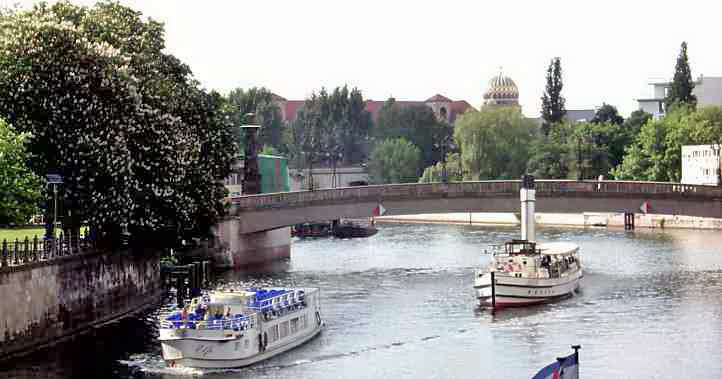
(501, 88)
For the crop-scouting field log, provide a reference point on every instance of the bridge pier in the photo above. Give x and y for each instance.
(238, 250)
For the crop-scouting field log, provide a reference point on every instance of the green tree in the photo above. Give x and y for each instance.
(331, 127)
(494, 143)
(140, 145)
(633, 124)
(394, 161)
(656, 153)
(417, 124)
(680, 90)
(20, 188)
(258, 101)
(607, 114)
(553, 110)
(435, 173)
(551, 155)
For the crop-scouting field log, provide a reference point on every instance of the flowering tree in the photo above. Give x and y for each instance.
(140, 145)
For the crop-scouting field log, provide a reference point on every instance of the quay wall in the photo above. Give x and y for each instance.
(239, 250)
(45, 301)
(560, 219)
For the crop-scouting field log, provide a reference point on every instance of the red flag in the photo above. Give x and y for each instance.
(645, 207)
(379, 210)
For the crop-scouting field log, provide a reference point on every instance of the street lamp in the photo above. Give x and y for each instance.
(444, 145)
(251, 172)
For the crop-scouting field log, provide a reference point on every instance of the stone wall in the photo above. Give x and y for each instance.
(46, 301)
(238, 250)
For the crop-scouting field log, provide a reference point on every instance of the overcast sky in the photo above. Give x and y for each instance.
(412, 50)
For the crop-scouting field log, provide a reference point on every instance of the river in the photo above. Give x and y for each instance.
(400, 305)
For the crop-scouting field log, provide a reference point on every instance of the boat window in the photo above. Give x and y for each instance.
(274, 333)
(284, 329)
(294, 325)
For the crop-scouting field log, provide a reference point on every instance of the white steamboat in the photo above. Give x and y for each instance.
(236, 328)
(523, 273)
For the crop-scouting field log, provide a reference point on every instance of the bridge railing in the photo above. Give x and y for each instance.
(491, 187)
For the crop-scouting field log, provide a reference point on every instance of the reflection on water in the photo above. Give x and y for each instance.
(400, 304)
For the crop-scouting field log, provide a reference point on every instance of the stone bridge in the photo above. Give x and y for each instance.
(255, 213)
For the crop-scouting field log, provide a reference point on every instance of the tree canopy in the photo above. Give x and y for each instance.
(494, 142)
(680, 90)
(656, 153)
(394, 160)
(418, 125)
(331, 127)
(553, 110)
(607, 114)
(140, 145)
(258, 101)
(20, 188)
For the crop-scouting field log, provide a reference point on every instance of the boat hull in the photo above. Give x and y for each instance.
(195, 353)
(518, 292)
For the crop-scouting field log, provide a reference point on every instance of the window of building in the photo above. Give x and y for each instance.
(442, 113)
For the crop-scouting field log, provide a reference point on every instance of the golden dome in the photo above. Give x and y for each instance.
(501, 88)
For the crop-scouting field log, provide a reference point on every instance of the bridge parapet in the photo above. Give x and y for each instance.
(466, 189)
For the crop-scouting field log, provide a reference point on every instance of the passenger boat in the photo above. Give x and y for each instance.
(312, 230)
(522, 272)
(236, 328)
(348, 229)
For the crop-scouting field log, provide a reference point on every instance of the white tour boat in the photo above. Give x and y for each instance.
(523, 273)
(235, 328)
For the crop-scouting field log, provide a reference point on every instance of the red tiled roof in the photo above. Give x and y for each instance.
(438, 98)
(291, 107)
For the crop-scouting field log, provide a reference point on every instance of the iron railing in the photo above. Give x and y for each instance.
(22, 252)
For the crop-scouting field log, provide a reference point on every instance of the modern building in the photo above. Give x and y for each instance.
(708, 90)
(444, 108)
(701, 164)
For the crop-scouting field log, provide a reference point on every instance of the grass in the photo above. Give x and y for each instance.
(20, 234)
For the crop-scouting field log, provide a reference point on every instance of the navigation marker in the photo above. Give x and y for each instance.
(379, 210)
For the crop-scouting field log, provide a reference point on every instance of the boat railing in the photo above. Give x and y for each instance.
(235, 323)
(286, 299)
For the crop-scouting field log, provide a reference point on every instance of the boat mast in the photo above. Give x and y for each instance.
(527, 195)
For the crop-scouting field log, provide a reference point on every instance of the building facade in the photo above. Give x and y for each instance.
(701, 164)
(708, 90)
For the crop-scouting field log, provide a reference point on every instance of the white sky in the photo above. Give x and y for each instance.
(412, 50)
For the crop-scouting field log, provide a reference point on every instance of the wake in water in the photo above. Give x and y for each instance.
(155, 365)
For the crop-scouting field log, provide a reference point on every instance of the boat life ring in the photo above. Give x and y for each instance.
(318, 318)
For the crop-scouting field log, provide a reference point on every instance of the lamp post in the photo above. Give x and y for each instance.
(444, 146)
(251, 174)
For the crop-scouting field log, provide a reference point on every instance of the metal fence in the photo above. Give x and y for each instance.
(22, 252)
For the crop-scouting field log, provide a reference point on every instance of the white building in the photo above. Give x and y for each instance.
(708, 90)
(701, 164)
